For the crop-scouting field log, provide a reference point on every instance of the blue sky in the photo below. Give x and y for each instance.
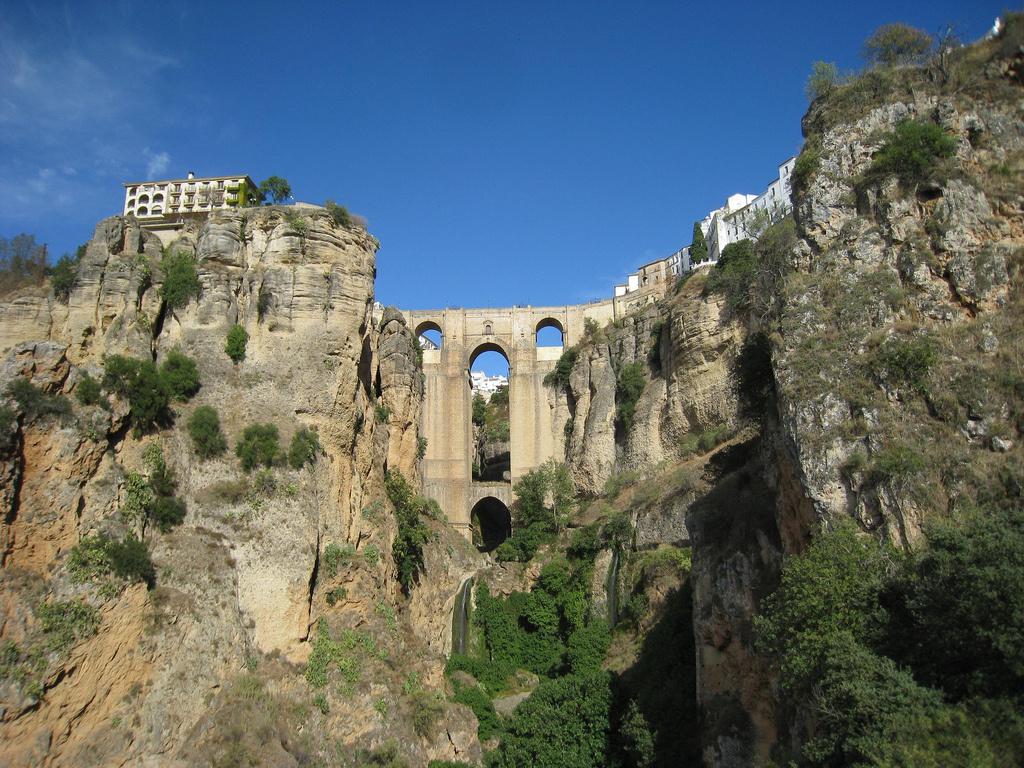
(503, 153)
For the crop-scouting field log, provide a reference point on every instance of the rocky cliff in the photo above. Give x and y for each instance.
(240, 591)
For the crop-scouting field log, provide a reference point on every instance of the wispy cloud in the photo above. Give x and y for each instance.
(80, 107)
(158, 163)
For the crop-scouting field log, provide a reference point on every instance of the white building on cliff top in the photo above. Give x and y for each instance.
(178, 199)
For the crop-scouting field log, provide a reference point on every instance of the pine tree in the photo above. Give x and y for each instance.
(699, 249)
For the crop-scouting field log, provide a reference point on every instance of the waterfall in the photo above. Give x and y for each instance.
(460, 617)
(612, 590)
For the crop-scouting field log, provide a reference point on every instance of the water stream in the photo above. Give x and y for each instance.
(612, 590)
(460, 617)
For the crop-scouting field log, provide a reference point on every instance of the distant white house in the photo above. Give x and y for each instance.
(741, 217)
(486, 385)
(746, 216)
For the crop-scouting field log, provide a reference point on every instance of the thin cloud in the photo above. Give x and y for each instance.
(158, 163)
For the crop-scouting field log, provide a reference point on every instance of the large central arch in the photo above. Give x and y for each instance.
(537, 413)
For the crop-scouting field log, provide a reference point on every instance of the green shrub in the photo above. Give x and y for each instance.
(615, 483)
(87, 392)
(499, 431)
(425, 710)
(629, 385)
(129, 560)
(565, 722)
(905, 361)
(383, 413)
(237, 340)
(168, 512)
(35, 402)
(897, 44)
(912, 149)
(336, 555)
(207, 438)
(140, 382)
(585, 542)
(476, 698)
(258, 445)
(371, 554)
(180, 375)
(181, 280)
(421, 447)
(339, 214)
(65, 622)
(413, 533)
(618, 530)
(522, 545)
(559, 376)
(733, 274)
(64, 277)
(822, 81)
(304, 449)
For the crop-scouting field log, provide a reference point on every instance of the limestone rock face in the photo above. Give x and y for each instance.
(591, 451)
(243, 583)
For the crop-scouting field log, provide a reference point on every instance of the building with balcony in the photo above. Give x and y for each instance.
(156, 202)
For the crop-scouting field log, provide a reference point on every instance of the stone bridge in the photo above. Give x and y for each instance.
(537, 414)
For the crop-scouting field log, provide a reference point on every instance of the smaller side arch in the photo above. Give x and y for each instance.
(553, 338)
(432, 332)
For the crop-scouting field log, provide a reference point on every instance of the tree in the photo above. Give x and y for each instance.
(180, 375)
(277, 188)
(699, 248)
(565, 722)
(911, 149)
(479, 410)
(896, 45)
(22, 262)
(822, 81)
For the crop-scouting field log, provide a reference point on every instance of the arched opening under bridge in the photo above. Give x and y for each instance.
(491, 414)
(492, 523)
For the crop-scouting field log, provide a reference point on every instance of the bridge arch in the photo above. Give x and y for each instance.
(488, 346)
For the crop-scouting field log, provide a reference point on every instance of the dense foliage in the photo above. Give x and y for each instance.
(629, 385)
(536, 520)
(304, 449)
(34, 402)
(908, 660)
(181, 376)
(559, 376)
(897, 44)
